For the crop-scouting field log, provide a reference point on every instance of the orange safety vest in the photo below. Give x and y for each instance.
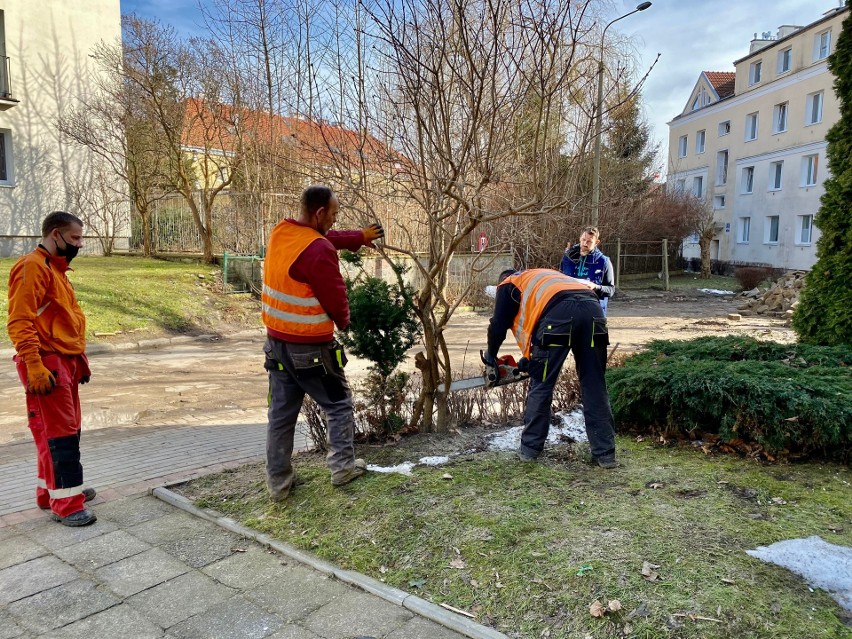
(537, 287)
(290, 306)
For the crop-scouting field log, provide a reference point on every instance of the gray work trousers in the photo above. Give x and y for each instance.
(315, 370)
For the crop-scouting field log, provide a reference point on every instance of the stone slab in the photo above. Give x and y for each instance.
(53, 536)
(236, 618)
(103, 550)
(245, 570)
(171, 527)
(296, 592)
(419, 628)
(22, 580)
(131, 511)
(9, 629)
(136, 573)
(356, 614)
(18, 549)
(180, 598)
(294, 632)
(62, 605)
(205, 548)
(119, 621)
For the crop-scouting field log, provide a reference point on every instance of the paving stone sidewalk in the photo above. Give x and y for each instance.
(146, 569)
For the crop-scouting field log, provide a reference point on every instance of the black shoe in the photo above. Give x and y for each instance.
(80, 518)
(89, 494)
(526, 458)
(607, 463)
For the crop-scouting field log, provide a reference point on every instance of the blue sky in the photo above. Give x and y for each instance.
(691, 35)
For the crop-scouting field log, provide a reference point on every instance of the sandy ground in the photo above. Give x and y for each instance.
(222, 381)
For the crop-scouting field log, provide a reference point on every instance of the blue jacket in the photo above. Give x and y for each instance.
(595, 267)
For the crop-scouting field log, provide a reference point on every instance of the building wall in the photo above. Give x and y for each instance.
(47, 43)
(792, 148)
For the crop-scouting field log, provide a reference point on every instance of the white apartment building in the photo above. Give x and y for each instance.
(751, 144)
(44, 67)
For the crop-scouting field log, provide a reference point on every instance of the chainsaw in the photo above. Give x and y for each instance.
(507, 371)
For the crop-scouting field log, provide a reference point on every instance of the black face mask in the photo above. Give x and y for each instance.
(69, 252)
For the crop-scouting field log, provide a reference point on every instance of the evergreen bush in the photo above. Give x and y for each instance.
(793, 398)
(824, 313)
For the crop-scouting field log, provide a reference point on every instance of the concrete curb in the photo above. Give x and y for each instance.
(433, 612)
(153, 344)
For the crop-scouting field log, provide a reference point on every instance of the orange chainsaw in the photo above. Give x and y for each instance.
(506, 371)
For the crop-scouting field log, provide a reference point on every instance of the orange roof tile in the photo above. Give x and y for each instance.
(722, 81)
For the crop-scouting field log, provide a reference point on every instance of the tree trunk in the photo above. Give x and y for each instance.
(704, 243)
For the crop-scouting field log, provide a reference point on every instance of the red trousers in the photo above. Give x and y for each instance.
(54, 420)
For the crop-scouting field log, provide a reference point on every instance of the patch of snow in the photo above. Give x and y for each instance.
(434, 461)
(404, 468)
(491, 291)
(573, 426)
(715, 291)
(822, 564)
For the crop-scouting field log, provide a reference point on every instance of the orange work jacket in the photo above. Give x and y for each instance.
(537, 287)
(290, 306)
(44, 315)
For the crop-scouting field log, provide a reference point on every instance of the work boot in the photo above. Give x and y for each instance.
(88, 495)
(526, 458)
(607, 462)
(80, 518)
(281, 495)
(341, 477)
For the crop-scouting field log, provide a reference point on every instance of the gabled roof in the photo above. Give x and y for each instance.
(722, 82)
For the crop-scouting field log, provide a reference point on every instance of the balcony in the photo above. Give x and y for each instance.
(6, 99)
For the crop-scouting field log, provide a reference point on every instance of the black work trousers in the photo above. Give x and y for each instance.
(574, 323)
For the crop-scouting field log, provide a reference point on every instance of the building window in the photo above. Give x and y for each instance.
(744, 232)
(771, 236)
(681, 147)
(785, 59)
(748, 179)
(680, 186)
(698, 186)
(718, 201)
(822, 45)
(775, 171)
(810, 164)
(806, 229)
(754, 72)
(700, 138)
(724, 128)
(813, 108)
(6, 173)
(779, 118)
(751, 127)
(722, 168)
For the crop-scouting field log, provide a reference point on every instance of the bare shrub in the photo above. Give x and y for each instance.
(750, 277)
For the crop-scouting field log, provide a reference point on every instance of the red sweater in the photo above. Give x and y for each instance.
(318, 266)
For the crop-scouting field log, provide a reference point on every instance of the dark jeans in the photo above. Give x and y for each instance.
(311, 369)
(576, 324)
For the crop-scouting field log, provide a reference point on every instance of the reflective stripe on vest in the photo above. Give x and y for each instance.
(289, 306)
(537, 287)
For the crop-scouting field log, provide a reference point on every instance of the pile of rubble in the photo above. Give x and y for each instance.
(778, 300)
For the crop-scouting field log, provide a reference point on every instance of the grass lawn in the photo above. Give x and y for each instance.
(527, 548)
(147, 297)
(682, 281)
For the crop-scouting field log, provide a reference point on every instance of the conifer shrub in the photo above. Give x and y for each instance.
(788, 398)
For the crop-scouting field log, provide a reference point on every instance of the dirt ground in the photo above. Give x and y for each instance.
(221, 380)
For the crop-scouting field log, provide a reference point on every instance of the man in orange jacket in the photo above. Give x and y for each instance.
(304, 297)
(549, 314)
(48, 329)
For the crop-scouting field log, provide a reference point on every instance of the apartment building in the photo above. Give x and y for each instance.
(44, 67)
(751, 144)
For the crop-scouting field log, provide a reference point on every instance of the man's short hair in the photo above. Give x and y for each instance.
(508, 272)
(591, 230)
(316, 197)
(58, 220)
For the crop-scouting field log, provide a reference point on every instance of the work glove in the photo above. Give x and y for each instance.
(40, 381)
(373, 233)
(491, 374)
(85, 379)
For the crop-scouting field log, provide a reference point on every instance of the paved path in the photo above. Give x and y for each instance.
(147, 570)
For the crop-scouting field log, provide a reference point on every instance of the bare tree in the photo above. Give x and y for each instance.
(101, 206)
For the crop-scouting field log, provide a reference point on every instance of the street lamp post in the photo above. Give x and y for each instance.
(596, 178)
